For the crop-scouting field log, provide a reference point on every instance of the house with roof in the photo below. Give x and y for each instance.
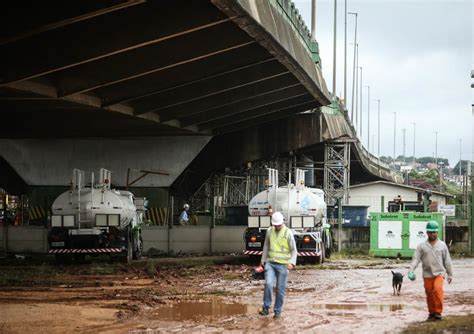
(377, 194)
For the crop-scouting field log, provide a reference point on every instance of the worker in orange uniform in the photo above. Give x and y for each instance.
(436, 264)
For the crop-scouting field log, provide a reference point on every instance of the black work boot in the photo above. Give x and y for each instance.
(264, 311)
(437, 316)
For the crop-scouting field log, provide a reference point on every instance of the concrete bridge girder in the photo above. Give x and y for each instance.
(304, 134)
(159, 67)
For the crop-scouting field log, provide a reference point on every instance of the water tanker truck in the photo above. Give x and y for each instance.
(304, 210)
(95, 220)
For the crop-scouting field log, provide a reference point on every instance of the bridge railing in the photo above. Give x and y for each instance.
(337, 108)
(288, 10)
(376, 160)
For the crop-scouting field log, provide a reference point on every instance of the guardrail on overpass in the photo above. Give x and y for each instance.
(340, 128)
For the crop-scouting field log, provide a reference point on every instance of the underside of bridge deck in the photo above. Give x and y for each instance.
(129, 68)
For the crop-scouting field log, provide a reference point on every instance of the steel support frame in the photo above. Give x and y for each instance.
(337, 172)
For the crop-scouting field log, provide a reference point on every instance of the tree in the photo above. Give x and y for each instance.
(464, 165)
(385, 159)
(427, 160)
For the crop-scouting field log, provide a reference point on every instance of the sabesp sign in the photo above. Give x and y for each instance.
(448, 210)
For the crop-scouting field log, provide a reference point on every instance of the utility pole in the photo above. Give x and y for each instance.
(334, 52)
(460, 157)
(354, 81)
(436, 148)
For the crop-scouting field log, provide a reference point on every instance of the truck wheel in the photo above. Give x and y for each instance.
(320, 259)
(138, 249)
(323, 253)
(328, 252)
(328, 245)
(129, 245)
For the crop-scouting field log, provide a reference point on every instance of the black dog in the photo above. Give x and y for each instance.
(397, 281)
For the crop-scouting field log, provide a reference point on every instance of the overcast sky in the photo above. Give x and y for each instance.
(417, 58)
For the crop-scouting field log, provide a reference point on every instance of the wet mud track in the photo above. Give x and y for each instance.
(343, 296)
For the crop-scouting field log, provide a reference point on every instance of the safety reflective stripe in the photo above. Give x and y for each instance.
(279, 249)
(84, 251)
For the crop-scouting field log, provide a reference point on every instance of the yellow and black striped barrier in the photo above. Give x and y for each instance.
(156, 215)
(38, 212)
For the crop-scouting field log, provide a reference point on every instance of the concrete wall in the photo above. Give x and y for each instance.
(190, 239)
(25, 239)
(194, 239)
(197, 239)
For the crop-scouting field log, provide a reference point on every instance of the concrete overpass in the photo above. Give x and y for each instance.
(146, 85)
(176, 67)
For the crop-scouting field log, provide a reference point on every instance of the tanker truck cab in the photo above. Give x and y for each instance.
(96, 220)
(304, 211)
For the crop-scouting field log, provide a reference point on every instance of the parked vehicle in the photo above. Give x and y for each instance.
(96, 220)
(304, 210)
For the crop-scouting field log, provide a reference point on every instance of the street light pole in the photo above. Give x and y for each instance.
(334, 52)
(345, 57)
(378, 127)
(373, 141)
(404, 131)
(414, 136)
(361, 127)
(460, 157)
(394, 134)
(355, 66)
(368, 118)
(436, 148)
(313, 19)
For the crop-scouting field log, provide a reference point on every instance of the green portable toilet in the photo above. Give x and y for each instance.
(397, 234)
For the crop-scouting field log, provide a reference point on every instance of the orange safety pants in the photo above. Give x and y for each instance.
(434, 293)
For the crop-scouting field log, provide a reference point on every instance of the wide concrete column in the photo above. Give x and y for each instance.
(49, 162)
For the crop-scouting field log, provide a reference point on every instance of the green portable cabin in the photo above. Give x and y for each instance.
(397, 234)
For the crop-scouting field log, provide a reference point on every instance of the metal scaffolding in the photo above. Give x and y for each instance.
(337, 172)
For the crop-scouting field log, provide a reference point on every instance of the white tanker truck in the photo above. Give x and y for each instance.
(304, 210)
(96, 220)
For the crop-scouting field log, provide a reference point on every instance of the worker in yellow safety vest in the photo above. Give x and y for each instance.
(278, 257)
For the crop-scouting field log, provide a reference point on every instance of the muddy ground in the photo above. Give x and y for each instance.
(215, 295)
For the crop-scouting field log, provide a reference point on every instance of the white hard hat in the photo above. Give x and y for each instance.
(277, 219)
(186, 206)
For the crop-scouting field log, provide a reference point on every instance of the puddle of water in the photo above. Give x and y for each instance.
(368, 307)
(202, 310)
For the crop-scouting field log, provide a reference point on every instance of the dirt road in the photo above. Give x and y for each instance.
(342, 296)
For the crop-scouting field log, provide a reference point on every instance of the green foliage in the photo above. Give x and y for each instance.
(464, 165)
(427, 160)
(450, 324)
(385, 159)
(431, 176)
(414, 174)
